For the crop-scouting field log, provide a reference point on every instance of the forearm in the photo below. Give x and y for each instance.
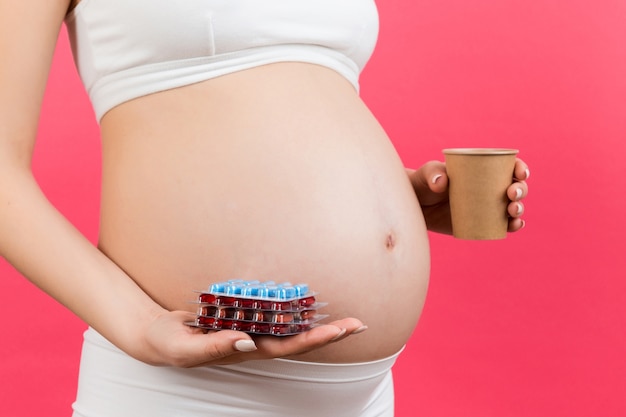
(38, 241)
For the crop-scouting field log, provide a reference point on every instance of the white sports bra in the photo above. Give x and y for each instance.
(126, 49)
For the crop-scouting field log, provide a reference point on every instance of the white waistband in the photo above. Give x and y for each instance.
(290, 369)
(316, 371)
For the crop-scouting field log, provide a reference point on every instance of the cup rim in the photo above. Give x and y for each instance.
(480, 151)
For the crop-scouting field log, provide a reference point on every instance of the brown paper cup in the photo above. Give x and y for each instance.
(479, 178)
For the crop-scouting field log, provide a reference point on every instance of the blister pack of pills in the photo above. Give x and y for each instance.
(256, 307)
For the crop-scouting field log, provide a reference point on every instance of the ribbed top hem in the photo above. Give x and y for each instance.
(114, 89)
(314, 371)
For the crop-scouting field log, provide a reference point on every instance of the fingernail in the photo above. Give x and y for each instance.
(360, 329)
(436, 178)
(520, 209)
(245, 345)
(523, 224)
(341, 333)
(527, 171)
(518, 193)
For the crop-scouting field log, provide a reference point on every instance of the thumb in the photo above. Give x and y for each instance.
(435, 176)
(227, 342)
(212, 346)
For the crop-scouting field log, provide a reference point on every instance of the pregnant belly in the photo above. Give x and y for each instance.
(327, 203)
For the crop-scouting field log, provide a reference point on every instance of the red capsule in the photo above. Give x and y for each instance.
(307, 314)
(280, 329)
(307, 301)
(207, 298)
(246, 326)
(225, 301)
(263, 305)
(283, 318)
(226, 324)
(245, 302)
(281, 305)
(206, 322)
(303, 328)
(262, 328)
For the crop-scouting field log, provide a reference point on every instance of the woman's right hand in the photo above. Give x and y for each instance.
(169, 341)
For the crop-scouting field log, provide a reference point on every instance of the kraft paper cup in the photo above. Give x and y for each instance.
(478, 180)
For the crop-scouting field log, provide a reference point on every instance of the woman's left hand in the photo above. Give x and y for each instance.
(430, 183)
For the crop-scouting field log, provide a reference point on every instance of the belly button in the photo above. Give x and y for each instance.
(390, 242)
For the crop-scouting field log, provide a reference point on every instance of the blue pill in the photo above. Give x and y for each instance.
(233, 289)
(263, 292)
(286, 293)
(301, 289)
(217, 288)
(272, 290)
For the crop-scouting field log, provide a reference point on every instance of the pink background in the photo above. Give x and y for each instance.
(529, 326)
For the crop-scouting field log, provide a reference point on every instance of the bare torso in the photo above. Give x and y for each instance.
(278, 172)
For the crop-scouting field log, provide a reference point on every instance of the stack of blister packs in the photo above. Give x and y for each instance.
(256, 307)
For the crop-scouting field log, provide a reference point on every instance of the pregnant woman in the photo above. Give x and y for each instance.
(235, 145)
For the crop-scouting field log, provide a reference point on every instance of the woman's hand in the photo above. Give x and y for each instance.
(431, 187)
(168, 341)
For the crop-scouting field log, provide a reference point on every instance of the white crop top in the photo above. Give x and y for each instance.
(126, 49)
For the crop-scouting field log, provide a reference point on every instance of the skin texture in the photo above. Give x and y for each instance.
(279, 171)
